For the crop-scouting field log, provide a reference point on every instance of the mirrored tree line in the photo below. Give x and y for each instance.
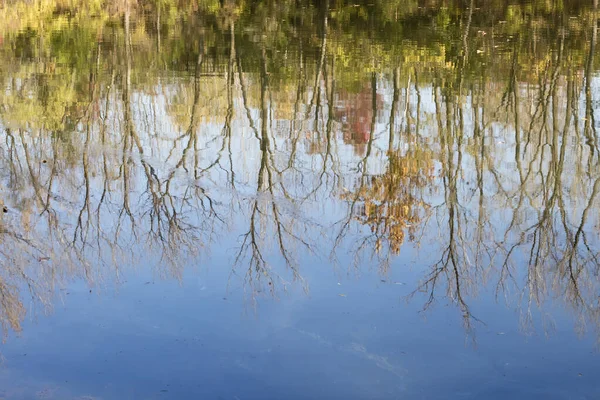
(120, 137)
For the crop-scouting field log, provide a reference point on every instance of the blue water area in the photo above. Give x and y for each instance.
(383, 199)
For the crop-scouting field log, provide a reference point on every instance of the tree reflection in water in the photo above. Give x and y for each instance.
(302, 138)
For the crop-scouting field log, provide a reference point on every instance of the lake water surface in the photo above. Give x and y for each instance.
(299, 200)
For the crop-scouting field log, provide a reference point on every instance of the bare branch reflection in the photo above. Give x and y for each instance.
(307, 134)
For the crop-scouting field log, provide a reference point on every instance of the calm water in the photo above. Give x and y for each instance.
(299, 200)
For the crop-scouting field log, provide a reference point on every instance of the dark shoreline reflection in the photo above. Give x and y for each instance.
(351, 134)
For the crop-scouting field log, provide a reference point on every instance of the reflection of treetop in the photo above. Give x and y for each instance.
(392, 202)
(364, 36)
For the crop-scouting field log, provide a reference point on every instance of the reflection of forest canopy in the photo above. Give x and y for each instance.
(67, 35)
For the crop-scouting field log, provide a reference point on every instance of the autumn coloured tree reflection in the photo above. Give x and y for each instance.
(392, 204)
(355, 113)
